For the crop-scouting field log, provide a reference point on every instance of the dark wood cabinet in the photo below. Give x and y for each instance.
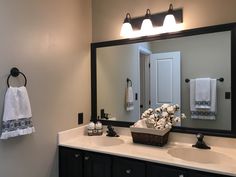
(158, 170)
(97, 165)
(203, 174)
(76, 163)
(128, 168)
(70, 162)
(79, 163)
(154, 170)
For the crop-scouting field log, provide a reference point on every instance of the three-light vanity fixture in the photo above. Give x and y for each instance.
(152, 24)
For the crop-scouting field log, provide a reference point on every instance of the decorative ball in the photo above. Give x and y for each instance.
(91, 125)
(98, 125)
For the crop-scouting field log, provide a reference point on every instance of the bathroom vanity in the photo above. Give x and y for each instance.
(205, 52)
(79, 163)
(101, 156)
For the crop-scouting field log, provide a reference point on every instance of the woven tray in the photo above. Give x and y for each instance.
(149, 136)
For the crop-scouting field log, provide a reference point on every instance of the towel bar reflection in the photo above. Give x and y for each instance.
(14, 73)
(220, 79)
(129, 82)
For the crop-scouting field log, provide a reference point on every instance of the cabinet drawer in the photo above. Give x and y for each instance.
(154, 170)
(128, 168)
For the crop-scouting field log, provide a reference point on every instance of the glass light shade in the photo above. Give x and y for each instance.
(126, 30)
(147, 27)
(169, 24)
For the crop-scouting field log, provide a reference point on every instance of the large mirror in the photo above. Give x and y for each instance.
(130, 76)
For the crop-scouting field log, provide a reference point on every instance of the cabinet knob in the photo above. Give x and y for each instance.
(86, 158)
(76, 155)
(128, 171)
(181, 175)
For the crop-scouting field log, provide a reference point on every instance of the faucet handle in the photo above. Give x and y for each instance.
(200, 137)
(110, 128)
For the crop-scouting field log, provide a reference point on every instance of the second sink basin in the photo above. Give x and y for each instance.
(199, 155)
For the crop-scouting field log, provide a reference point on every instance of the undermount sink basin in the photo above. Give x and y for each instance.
(199, 155)
(105, 141)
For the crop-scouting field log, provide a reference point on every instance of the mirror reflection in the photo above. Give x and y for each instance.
(156, 73)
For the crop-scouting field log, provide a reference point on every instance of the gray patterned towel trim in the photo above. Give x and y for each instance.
(13, 125)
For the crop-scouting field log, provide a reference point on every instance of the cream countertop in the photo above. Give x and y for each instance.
(124, 147)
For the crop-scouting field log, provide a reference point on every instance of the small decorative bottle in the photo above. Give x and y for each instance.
(98, 127)
(91, 128)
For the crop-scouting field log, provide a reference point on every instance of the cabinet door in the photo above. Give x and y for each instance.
(97, 165)
(70, 162)
(128, 168)
(203, 174)
(155, 170)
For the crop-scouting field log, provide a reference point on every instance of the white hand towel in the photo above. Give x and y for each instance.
(198, 113)
(213, 108)
(192, 95)
(129, 99)
(203, 93)
(17, 116)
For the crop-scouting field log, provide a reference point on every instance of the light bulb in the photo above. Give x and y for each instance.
(169, 24)
(147, 27)
(126, 29)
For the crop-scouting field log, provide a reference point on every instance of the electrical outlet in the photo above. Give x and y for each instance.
(80, 118)
(227, 95)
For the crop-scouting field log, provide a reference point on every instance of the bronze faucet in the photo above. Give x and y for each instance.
(200, 143)
(111, 132)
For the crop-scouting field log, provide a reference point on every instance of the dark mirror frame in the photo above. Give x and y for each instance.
(203, 30)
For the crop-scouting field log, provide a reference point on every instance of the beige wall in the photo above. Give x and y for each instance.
(108, 15)
(49, 40)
